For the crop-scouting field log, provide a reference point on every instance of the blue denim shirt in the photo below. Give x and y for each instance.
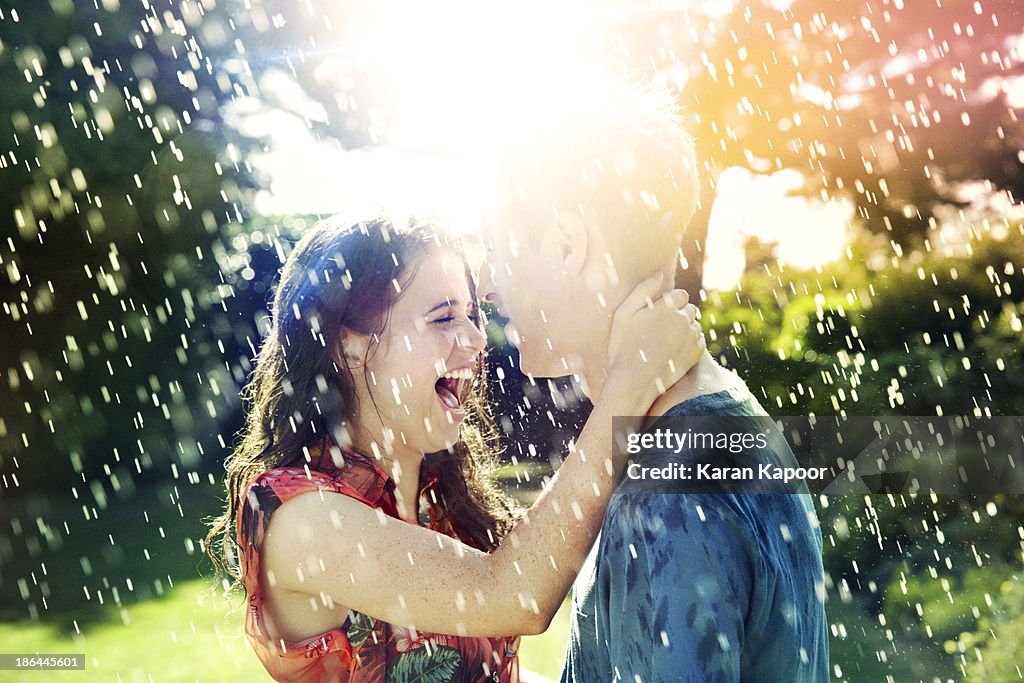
(702, 587)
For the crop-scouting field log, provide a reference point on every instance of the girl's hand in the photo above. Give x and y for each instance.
(655, 339)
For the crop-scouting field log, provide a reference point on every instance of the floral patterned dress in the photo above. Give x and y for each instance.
(362, 649)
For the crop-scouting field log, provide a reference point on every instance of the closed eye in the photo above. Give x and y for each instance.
(473, 317)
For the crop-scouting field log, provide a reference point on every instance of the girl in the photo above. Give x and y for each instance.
(357, 550)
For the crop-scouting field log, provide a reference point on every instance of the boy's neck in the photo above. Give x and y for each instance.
(706, 377)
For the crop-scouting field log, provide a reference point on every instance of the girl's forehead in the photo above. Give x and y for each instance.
(440, 273)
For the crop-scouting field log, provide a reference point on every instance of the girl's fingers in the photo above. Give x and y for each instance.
(642, 295)
(676, 298)
(691, 312)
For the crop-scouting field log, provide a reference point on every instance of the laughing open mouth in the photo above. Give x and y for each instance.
(453, 387)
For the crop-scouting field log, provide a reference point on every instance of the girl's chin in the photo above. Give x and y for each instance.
(452, 422)
(444, 431)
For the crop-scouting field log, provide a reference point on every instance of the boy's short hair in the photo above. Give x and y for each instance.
(611, 150)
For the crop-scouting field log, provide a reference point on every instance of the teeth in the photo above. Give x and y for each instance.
(463, 373)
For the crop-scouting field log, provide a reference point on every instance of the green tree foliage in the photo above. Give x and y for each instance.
(921, 334)
(927, 333)
(889, 103)
(118, 173)
(994, 651)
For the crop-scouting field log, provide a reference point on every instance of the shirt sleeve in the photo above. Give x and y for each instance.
(679, 576)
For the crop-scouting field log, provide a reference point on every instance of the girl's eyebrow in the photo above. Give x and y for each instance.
(447, 303)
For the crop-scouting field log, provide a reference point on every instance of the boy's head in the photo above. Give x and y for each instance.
(595, 188)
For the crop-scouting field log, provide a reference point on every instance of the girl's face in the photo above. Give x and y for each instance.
(416, 376)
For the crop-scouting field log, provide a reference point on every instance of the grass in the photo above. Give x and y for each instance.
(187, 635)
(190, 634)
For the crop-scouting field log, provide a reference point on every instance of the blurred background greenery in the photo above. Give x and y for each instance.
(140, 248)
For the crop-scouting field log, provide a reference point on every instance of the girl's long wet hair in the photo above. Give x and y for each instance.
(343, 275)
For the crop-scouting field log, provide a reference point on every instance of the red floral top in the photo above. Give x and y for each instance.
(362, 649)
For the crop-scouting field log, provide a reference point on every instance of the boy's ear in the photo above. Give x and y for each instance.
(572, 240)
(350, 348)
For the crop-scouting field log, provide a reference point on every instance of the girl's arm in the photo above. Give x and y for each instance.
(336, 549)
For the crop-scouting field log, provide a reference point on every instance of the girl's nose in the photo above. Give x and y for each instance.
(471, 337)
